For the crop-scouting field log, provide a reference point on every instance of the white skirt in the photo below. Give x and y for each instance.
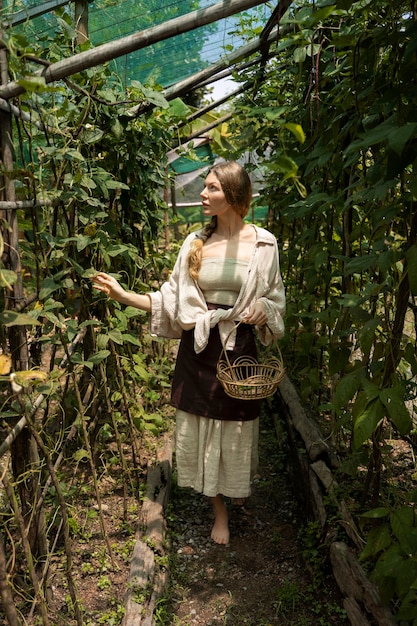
(216, 456)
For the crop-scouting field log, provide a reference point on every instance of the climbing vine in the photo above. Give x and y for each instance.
(334, 129)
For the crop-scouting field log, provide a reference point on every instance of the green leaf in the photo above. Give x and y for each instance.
(89, 273)
(297, 131)
(138, 422)
(154, 97)
(403, 525)
(393, 400)
(72, 328)
(73, 155)
(48, 287)
(283, 164)
(178, 108)
(141, 371)
(117, 249)
(370, 388)
(373, 136)
(406, 579)
(275, 113)
(349, 300)
(116, 184)
(92, 135)
(116, 128)
(389, 563)
(32, 83)
(129, 338)
(49, 315)
(338, 359)
(97, 357)
(300, 54)
(368, 416)
(409, 355)
(408, 608)
(82, 242)
(77, 358)
(361, 264)
(79, 455)
(7, 278)
(116, 336)
(377, 513)
(366, 334)
(11, 318)
(378, 539)
(132, 311)
(346, 390)
(321, 14)
(400, 136)
(9, 414)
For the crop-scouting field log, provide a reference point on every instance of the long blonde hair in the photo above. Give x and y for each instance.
(237, 188)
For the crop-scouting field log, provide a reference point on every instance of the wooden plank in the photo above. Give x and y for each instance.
(308, 430)
(146, 581)
(362, 602)
(362, 595)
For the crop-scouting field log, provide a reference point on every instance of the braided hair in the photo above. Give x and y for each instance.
(237, 188)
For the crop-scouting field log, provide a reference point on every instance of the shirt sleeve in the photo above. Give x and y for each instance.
(175, 305)
(273, 298)
(164, 312)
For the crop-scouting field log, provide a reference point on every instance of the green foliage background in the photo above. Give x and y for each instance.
(332, 125)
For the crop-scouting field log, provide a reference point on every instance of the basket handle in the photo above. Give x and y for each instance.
(236, 326)
(223, 350)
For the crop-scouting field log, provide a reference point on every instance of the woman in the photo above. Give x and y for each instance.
(224, 273)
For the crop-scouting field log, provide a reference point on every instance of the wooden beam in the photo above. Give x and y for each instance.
(114, 49)
(202, 77)
(183, 86)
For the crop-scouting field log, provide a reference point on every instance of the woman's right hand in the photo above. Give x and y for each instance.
(108, 285)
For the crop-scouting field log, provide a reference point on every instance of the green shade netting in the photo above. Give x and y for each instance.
(203, 158)
(163, 63)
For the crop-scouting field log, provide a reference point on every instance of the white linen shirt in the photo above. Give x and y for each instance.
(180, 305)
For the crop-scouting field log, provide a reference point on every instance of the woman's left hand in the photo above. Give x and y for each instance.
(257, 315)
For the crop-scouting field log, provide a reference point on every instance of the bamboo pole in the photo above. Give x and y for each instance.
(114, 49)
(16, 508)
(6, 593)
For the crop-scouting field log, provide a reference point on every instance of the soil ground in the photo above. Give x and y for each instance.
(271, 573)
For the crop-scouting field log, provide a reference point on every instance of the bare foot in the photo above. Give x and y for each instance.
(220, 531)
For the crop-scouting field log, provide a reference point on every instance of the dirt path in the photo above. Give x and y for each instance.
(262, 577)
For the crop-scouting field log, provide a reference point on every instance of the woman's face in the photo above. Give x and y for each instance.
(214, 200)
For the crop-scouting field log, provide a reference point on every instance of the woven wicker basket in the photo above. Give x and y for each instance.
(247, 379)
